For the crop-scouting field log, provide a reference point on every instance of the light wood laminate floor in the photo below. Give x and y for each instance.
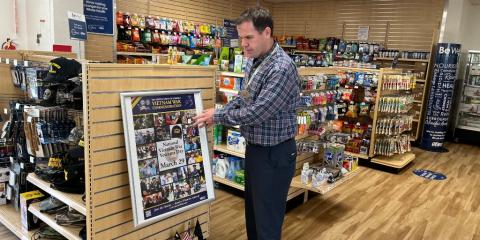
(376, 205)
(380, 205)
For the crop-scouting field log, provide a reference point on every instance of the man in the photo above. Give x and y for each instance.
(265, 110)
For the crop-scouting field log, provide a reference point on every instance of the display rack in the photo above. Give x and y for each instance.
(9, 216)
(73, 200)
(71, 233)
(397, 161)
(324, 188)
(420, 67)
(108, 202)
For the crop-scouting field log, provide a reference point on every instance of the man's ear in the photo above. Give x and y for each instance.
(267, 32)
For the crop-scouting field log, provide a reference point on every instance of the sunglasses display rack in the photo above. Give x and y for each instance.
(394, 126)
(38, 131)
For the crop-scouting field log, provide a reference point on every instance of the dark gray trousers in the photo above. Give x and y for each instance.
(268, 173)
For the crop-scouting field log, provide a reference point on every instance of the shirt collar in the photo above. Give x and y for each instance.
(261, 58)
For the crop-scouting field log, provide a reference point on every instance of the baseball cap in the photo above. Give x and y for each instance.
(61, 69)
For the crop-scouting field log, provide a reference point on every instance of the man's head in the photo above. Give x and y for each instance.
(255, 30)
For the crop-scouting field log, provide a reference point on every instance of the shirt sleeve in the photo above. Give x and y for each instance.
(276, 93)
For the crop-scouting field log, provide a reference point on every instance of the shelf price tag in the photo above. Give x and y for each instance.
(22, 165)
(25, 63)
(17, 106)
(29, 119)
(15, 62)
(5, 110)
(32, 159)
(7, 61)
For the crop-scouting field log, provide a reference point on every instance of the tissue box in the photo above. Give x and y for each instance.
(237, 66)
(333, 155)
(29, 221)
(235, 141)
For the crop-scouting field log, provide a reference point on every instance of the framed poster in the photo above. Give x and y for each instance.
(168, 159)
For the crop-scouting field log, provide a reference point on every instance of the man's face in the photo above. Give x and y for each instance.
(253, 43)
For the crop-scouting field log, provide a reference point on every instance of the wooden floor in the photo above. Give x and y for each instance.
(5, 234)
(379, 205)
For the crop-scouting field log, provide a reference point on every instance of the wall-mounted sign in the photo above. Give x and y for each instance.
(77, 26)
(99, 16)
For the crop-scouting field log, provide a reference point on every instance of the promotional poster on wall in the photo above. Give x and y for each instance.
(168, 158)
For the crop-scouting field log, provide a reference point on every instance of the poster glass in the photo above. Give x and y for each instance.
(168, 158)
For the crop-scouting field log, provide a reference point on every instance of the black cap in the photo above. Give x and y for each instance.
(61, 69)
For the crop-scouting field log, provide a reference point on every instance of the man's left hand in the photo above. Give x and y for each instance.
(205, 118)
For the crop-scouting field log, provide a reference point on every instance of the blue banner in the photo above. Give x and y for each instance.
(162, 103)
(77, 26)
(440, 96)
(231, 33)
(99, 16)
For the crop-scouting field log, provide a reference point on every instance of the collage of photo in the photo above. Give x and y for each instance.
(160, 185)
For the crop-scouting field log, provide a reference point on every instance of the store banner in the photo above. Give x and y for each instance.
(168, 158)
(77, 26)
(99, 16)
(440, 96)
(231, 39)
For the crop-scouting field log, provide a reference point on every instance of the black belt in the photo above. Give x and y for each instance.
(258, 145)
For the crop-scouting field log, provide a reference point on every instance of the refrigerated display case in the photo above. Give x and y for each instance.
(468, 109)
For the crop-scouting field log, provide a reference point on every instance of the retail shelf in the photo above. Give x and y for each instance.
(471, 113)
(10, 218)
(476, 129)
(326, 187)
(358, 155)
(288, 46)
(68, 232)
(228, 183)
(396, 161)
(300, 137)
(223, 148)
(136, 54)
(313, 90)
(402, 59)
(359, 69)
(308, 51)
(72, 200)
(229, 91)
(474, 86)
(232, 74)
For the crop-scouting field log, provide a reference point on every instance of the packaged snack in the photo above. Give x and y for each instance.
(119, 18)
(155, 36)
(156, 22)
(364, 109)
(134, 20)
(136, 35)
(163, 24)
(150, 23)
(141, 21)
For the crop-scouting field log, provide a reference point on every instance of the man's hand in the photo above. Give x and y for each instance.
(205, 118)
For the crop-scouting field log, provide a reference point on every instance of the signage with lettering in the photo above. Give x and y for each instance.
(440, 96)
(77, 26)
(99, 16)
(168, 158)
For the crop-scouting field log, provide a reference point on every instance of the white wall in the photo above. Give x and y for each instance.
(45, 17)
(39, 21)
(61, 31)
(8, 26)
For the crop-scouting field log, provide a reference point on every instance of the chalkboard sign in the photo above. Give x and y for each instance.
(231, 38)
(440, 96)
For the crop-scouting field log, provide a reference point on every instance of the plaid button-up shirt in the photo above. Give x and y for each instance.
(267, 114)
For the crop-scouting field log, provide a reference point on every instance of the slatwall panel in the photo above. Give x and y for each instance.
(8, 92)
(201, 11)
(108, 198)
(410, 23)
(99, 48)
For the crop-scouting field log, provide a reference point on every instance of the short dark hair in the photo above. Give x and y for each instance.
(260, 17)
